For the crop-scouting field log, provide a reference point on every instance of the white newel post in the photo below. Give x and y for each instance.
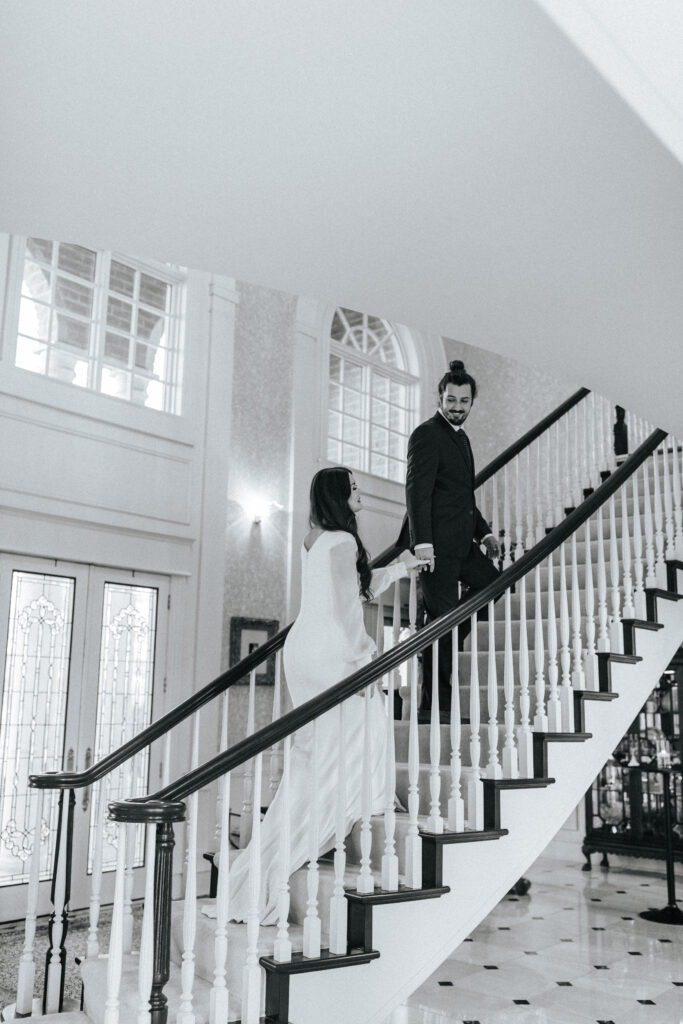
(338, 905)
(115, 958)
(603, 615)
(554, 709)
(524, 734)
(247, 818)
(510, 762)
(312, 924)
(413, 843)
(590, 659)
(493, 768)
(540, 717)
(475, 789)
(566, 691)
(456, 804)
(616, 633)
(282, 951)
(186, 1011)
(365, 883)
(251, 972)
(27, 968)
(146, 959)
(435, 821)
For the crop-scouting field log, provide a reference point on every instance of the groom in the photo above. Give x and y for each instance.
(446, 527)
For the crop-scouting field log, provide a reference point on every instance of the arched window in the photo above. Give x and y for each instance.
(372, 396)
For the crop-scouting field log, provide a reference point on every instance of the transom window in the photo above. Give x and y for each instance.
(372, 396)
(100, 321)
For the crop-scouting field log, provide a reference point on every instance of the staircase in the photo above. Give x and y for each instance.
(588, 617)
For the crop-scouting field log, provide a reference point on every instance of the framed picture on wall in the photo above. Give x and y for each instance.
(246, 635)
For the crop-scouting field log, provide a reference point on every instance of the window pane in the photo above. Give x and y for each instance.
(379, 441)
(77, 261)
(352, 402)
(334, 451)
(353, 376)
(151, 326)
(352, 456)
(398, 394)
(398, 420)
(124, 698)
(115, 382)
(338, 328)
(119, 314)
(36, 680)
(334, 422)
(380, 413)
(378, 465)
(116, 348)
(335, 368)
(39, 249)
(397, 471)
(153, 292)
(380, 386)
(335, 396)
(397, 446)
(68, 367)
(353, 318)
(391, 354)
(378, 327)
(30, 355)
(34, 319)
(73, 333)
(73, 297)
(353, 430)
(149, 393)
(36, 281)
(122, 278)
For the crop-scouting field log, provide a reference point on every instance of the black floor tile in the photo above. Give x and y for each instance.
(448, 984)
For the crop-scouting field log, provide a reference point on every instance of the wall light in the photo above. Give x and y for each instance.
(258, 508)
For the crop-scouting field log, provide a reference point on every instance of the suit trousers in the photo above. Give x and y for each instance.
(440, 594)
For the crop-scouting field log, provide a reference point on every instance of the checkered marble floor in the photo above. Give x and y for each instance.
(572, 951)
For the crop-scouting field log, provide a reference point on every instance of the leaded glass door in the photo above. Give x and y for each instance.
(80, 649)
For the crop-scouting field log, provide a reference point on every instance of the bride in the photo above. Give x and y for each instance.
(327, 642)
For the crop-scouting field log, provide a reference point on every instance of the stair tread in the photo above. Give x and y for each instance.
(467, 836)
(402, 895)
(643, 624)
(535, 783)
(300, 964)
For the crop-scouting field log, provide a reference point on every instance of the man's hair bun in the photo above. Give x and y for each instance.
(457, 366)
(458, 375)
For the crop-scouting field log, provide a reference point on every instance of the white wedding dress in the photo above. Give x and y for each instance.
(327, 642)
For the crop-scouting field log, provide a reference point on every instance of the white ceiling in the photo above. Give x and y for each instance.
(456, 165)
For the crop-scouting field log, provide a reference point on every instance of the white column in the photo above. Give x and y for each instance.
(669, 527)
(519, 521)
(530, 534)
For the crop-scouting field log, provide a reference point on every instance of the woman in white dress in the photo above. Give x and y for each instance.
(327, 642)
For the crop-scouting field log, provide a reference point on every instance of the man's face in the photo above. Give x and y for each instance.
(456, 402)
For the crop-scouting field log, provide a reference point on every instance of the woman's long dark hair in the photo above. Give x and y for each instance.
(330, 493)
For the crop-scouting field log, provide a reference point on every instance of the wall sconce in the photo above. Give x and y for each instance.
(258, 508)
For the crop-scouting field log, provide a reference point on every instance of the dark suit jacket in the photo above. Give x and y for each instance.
(440, 492)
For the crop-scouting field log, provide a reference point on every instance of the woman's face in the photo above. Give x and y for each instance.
(354, 497)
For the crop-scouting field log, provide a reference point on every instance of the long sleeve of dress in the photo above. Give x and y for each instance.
(383, 578)
(346, 602)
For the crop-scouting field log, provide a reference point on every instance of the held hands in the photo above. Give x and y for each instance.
(491, 545)
(424, 557)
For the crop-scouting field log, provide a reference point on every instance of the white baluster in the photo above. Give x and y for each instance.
(251, 972)
(540, 717)
(115, 958)
(628, 611)
(603, 617)
(524, 735)
(554, 709)
(616, 634)
(185, 1011)
(275, 770)
(54, 965)
(578, 674)
(146, 957)
(540, 507)
(678, 507)
(495, 515)
(475, 789)
(507, 527)
(312, 924)
(493, 768)
(223, 745)
(575, 460)
(435, 821)
(510, 762)
(669, 527)
(27, 969)
(592, 451)
(283, 946)
(219, 998)
(639, 603)
(405, 689)
(566, 692)
(530, 535)
(365, 883)
(609, 438)
(590, 662)
(413, 844)
(557, 473)
(660, 565)
(482, 501)
(247, 819)
(389, 858)
(166, 765)
(128, 890)
(650, 574)
(338, 904)
(583, 453)
(548, 483)
(93, 946)
(456, 804)
(519, 522)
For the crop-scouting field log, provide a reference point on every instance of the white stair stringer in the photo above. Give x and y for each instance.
(414, 938)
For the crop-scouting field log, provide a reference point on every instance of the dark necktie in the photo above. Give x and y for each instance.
(466, 449)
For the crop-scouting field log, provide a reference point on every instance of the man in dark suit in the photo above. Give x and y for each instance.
(446, 527)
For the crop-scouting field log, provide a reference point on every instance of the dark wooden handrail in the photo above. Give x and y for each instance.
(148, 735)
(330, 698)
